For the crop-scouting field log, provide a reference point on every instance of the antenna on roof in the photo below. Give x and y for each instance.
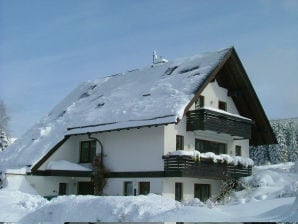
(159, 60)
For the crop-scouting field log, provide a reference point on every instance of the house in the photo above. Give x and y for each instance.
(176, 128)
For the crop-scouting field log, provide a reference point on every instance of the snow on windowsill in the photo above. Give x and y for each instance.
(234, 160)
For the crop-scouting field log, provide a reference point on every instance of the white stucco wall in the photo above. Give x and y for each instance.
(214, 93)
(125, 150)
(49, 185)
(115, 186)
(188, 186)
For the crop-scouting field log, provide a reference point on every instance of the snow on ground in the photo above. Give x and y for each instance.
(269, 195)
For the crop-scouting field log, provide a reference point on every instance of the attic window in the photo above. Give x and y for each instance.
(189, 69)
(170, 70)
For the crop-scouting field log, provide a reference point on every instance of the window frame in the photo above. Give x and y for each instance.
(126, 191)
(200, 102)
(178, 195)
(179, 142)
(142, 187)
(211, 146)
(201, 192)
(238, 150)
(89, 152)
(222, 105)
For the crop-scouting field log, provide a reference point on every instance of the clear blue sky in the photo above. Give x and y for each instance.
(48, 47)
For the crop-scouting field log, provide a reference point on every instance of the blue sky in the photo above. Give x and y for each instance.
(48, 47)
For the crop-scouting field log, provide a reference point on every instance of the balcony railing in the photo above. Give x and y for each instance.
(209, 120)
(186, 166)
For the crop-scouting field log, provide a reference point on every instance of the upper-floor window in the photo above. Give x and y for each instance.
(179, 142)
(238, 150)
(87, 151)
(200, 102)
(209, 146)
(222, 105)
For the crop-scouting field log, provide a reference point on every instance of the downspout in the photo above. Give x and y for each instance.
(98, 169)
(101, 147)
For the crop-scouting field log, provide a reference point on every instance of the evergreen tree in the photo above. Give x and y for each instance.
(287, 148)
(4, 141)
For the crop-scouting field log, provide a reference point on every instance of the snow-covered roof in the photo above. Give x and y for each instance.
(156, 94)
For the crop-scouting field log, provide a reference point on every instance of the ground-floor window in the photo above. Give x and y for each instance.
(62, 188)
(128, 188)
(178, 191)
(85, 188)
(144, 188)
(202, 191)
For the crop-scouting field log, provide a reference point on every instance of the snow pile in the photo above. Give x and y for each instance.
(269, 182)
(270, 195)
(65, 165)
(222, 158)
(157, 95)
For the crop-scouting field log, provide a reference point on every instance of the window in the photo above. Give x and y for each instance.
(238, 150)
(200, 102)
(128, 188)
(208, 146)
(62, 188)
(86, 188)
(178, 191)
(88, 151)
(202, 191)
(222, 105)
(179, 142)
(144, 188)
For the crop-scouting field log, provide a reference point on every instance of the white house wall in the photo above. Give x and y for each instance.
(213, 93)
(125, 150)
(115, 186)
(188, 186)
(49, 185)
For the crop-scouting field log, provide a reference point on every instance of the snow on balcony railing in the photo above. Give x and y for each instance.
(222, 158)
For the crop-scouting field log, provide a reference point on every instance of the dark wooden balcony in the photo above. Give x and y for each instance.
(186, 166)
(209, 120)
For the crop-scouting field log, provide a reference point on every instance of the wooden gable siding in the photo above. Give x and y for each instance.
(233, 77)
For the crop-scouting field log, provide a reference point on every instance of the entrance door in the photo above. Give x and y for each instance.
(85, 188)
(202, 191)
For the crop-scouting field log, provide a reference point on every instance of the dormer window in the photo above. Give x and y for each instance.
(200, 102)
(222, 105)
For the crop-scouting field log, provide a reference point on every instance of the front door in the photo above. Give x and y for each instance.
(85, 188)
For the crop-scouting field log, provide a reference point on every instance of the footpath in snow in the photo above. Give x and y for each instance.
(269, 195)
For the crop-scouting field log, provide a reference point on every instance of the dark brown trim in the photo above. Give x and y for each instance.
(126, 128)
(62, 173)
(135, 174)
(51, 152)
